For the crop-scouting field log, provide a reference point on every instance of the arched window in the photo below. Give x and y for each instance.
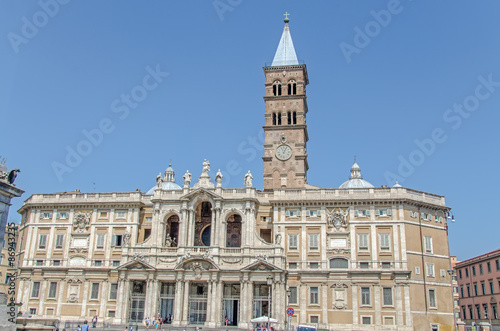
(339, 263)
(172, 233)
(203, 221)
(277, 88)
(233, 238)
(292, 88)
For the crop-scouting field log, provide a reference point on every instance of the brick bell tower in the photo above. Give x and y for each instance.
(285, 129)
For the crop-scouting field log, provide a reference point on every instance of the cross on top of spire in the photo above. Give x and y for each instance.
(286, 17)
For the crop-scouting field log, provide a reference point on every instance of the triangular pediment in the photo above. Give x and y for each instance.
(136, 264)
(261, 265)
(200, 192)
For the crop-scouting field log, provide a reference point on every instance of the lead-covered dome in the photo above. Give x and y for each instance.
(356, 180)
(167, 183)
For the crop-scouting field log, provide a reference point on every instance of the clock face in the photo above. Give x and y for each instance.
(283, 152)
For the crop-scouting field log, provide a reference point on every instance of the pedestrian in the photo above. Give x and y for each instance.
(85, 326)
(78, 328)
(94, 321)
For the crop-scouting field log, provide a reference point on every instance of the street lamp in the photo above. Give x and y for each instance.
(269, 283)
(288, 294)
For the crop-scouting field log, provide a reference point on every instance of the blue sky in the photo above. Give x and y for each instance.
(419, 71)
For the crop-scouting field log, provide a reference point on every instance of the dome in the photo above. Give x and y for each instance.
(167, 183)
(356, 181)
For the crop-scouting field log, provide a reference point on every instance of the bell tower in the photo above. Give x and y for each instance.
(285, 129)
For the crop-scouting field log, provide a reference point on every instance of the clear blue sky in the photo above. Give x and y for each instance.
(399, 84)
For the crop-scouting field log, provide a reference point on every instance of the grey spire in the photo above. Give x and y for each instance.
(285, 54)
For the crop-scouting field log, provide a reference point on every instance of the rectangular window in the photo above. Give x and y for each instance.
(428, 244)
(292, 265)
(32, 311)
(113, 290)
(111, 313)
(46, 215)
(314, 296)
(42, 241)
(475, 289)
(432, 298)
(59, 240)
(430, 269)
(481, 269)
(293, 241)
(314, 319)
(387, 291)
(363, 242)
(100, 240)
(365, 296)
(488, 265)
(388, 320)
(460, 273)
(383, 212)
(103, 214)
(98, 263)
(466, 273)
(121, 214)
(385, 242)
(35, 289)
(386, 265)
(314, 213)
(366, 319)
(56, 263)
(362, 213)
(39, 262)
(314, 265)
(265, 219)
(149, 219)
(473, 270)
(497, 262)
(116, 263)
(292, 213)
(492, 290)
(94, 294)
(293, 295)
(413, 214)
(63, 215)
(478, 309)
(417, 270)
(52, 290)
(116, 240)
(314, 241)
(364, 265)
(462, 291)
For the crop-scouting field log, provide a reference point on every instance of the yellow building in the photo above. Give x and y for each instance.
(355, 257)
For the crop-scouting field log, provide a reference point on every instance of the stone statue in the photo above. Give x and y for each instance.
(187, 178)
(206, 167)
(277, 238)
(218, 178)
(126, 239)
(248, 179)
(158, 180)
(168, 240)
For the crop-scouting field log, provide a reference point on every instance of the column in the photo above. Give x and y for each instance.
(104, 299)
(212, 227)
(374, 251)
(218, 302)
(178, 301)
(243, 306)
(210, 305)
(85, 295)
(154, 297)
(43, 287)
(303, 303)
(217, 221)
(354, 289)
(407, 305)
(395, 240)
(190, 228)
(183, 223)
(60, 287)
(324, 302)
(250, 301)
(378, 305)
(120, 312)
(185, 306)
(399, 306)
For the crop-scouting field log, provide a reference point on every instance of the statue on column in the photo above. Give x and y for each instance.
(187, 179)
(218, 178)
(248, 179)
(158, 180)
(206, 167)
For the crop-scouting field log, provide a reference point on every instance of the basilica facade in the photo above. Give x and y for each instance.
(200, 254)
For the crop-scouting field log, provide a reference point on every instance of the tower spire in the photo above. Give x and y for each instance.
(285, 54)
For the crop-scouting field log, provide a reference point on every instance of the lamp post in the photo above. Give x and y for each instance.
(269, 283)
(288, 294)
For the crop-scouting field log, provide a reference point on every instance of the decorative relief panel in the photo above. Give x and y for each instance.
(81, 223)
(337, 218)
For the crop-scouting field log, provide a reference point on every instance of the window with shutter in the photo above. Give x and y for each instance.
(42, 242)
(385, 244)
(363, 242)
(387, 291)
(52, 290)
(35, 289)
(389, 211)
(356, 213)
(95, 291)
(59, 240)
(100, 240)
(292, 241)
(314, 241)
(428, 244)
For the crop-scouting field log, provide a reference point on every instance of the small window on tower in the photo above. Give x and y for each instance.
(294, 118)
(279, 118)
(289, 117)
(274, 118)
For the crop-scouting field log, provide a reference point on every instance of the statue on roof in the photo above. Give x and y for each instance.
(248, 179)
(187, 179)
(218, 178)
(158, 180)
(206, 167)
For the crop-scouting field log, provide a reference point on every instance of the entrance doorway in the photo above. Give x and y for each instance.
(137, 301)
(230, 308)
(198, 303)
(167, 296)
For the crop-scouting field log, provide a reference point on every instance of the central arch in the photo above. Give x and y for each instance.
(202, 224)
